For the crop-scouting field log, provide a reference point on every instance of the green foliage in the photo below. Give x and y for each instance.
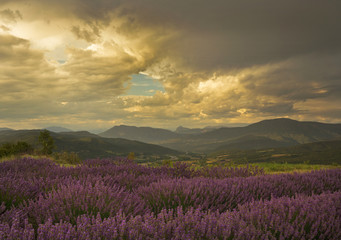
(202, 162)
(290, 167)
(8, 149)
(47, 142)
(67, 158)
(167, 162)
(131, 156)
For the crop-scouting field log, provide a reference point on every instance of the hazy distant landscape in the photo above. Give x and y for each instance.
(264, 134)
(276, 140)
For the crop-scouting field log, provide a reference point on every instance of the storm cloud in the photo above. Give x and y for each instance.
(219, 62)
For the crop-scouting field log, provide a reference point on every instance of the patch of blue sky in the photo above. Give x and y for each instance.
(143, 85)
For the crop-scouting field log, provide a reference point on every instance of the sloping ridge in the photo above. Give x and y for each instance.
(253, 142)
(313, 131)
(322, 152)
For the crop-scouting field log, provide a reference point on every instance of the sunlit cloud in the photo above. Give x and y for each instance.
(167, 63)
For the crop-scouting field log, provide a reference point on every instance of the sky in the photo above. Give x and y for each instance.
(85, 64)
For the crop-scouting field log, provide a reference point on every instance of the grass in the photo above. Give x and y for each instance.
(274, 168)
(269, 167)
(13, 157)
(59, 161)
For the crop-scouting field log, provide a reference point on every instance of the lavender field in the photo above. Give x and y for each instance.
(119, 199)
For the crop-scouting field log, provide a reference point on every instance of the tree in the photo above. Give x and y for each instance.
(23, 147)
(46, 141)
(8, 149)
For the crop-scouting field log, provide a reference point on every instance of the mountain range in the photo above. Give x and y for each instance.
(273, 133)
(282, 132)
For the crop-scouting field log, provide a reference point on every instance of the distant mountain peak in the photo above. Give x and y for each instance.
(279, 120)
(144, 134)
(181, 128)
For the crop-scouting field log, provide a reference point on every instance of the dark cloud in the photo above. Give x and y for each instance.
(219, 34)
(297, 79)
(91, 34)
(235, 34)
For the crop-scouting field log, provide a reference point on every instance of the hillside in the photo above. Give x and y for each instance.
(324, 152)
(265, 134)
(87, 145)
(249, 142)
(184, 130)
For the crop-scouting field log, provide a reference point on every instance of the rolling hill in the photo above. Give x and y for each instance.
(144, 134)
(87, 145)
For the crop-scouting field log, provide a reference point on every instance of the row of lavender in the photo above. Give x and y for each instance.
(105, 199)
(315, 217)
(27, 178)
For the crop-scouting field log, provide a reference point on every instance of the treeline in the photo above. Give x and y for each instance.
(45, 141)
(46, 147)
(9, 149)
